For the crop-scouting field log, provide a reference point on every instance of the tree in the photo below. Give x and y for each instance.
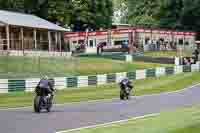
(170, 13)
(60, 11)
(90, 14)
(13, 5)
(120, 10)
(37, 7)
(81, 14)
(190, 18)
(143, 12)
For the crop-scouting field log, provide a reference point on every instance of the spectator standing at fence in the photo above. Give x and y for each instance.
(99, 48)
(196, 55)
(192, 61)
(185, 61)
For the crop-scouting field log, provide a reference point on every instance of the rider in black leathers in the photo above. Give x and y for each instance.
(125, 83)
(45, 87)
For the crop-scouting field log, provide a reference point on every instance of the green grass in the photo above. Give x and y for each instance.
(20, 67)
(185, 120)
(146, 86)
(167, 54)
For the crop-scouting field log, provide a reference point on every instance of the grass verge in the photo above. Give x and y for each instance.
(168, 54)
(20, 67)
(146, 86)
(186, 120)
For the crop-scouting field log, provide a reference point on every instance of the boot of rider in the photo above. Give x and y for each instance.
(48, 97)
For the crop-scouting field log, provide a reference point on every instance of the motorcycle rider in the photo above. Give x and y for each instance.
(125, 83)
(45, 87)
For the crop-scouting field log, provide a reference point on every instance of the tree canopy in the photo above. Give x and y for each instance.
(175, 14)
(95, 14)
(143, 12)
(79, 14)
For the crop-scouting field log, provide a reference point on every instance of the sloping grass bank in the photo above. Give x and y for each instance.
(168, 54)
(20, 67)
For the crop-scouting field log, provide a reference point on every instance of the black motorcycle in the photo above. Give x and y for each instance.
(43, 102)
(125, 93)
(125, 89)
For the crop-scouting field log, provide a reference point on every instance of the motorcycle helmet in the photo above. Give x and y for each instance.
(45, 77)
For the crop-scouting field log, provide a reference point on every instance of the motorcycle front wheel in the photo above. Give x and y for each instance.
(121, 95)
(49, 104)
(37, 104)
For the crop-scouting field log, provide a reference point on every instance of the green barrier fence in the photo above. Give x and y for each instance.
(72, 82)
(111, 78)
(16, 85)
(169, 70)
(131, 75)
(92, 80)
(151, 73)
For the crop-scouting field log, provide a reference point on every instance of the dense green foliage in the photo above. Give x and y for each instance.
(143, 12)
(120, 11)
(95, 14)
(78, 14)
(92, 14)
(176, 14)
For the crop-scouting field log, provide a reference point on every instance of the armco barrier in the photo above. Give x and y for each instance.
(119, 76)
(131, 75)
(4, 86)
(178, 69)
(169, 70)
(28, 85)
(194, 68)
(186, 68)
(150, 73)
(72, 82)
(162, 60)
(140, 74)
(16, 85)
(160, 71)
(101, 79)
(111, 78)
(92, 80)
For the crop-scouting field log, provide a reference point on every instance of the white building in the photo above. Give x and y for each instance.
(140, 38)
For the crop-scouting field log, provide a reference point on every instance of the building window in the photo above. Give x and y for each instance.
(146, 40)
(5, 47)
(180, 41)
(123, 43)
(91, 43)
(80, 41)
(74, 42)
(186, 43)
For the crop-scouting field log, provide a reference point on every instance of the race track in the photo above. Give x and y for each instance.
(72, 116)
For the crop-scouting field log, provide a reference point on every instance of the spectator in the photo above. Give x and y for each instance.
(99, 48)
(185, 61)
(196, 55)
(192, 61)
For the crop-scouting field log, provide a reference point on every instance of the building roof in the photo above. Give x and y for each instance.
(26, 20)
(120, 24)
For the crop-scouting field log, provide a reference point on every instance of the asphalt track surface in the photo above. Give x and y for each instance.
(70, 116)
